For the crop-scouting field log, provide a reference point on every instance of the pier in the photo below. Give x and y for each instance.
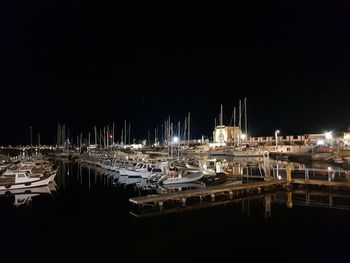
(321, 183)
(254, 188)
(230, 189)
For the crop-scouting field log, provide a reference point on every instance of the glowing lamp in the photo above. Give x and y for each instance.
(329, 136)
(320, 142)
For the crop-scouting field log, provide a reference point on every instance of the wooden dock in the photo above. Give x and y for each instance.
(313, 182)
(231, 189)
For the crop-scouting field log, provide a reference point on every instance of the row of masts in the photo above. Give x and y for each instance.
(105, 137)
(31, 137)
(171, 132)
(164, 135)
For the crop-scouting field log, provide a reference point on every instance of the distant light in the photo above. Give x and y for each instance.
(347, 136)
(175, 139)
(329, 168)
(320, 142)
(278, 131)
(243, 136)
(111, 136)
(329, 135)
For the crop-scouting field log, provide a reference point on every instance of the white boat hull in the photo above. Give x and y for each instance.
(37, 183)
(185, 179)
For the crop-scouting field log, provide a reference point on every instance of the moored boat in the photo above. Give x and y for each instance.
(20, 180)
(180, 178)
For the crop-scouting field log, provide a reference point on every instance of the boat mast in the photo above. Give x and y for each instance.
(189, 127)
(221, 115)
(103, 131)
(95, 128)
(155, 136)
(58, 134)
(240, 122)
(113, 134)
(100, 137)
(129, 131)
(246, 118)
(81, 140)
(169, 130)
(63, 134)
(125, 132)
(107, 136)
(179, 138)
(185, 130)
(234, 116)
(171, 142)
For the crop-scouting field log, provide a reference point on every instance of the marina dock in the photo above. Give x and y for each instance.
(231, 190)
(235, 190)
(321, 183)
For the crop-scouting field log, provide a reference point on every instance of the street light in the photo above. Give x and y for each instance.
(276, 133)
(175, 139)
(329, 136)
(243, 136)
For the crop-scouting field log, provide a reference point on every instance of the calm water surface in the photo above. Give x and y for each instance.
(87, 219)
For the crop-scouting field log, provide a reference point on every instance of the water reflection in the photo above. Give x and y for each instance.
(89, 219)
(84, 177)
(248, 169)
(20, 197)
(266, 202)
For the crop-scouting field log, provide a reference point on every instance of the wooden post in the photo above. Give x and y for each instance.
(289, 175)
(290, 200)
(231, 194)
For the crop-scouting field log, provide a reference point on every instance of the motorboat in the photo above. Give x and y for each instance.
(173, 177)
(20, 180)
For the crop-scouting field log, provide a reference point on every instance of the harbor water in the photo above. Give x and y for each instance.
(85, 217)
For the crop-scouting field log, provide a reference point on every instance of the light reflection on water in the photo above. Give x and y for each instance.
(88, 218)
(73, 177)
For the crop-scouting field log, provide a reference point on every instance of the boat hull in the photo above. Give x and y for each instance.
(37, 183)
(183, 180)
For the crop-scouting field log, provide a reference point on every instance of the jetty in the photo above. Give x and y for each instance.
(212, 192)
(308, 178)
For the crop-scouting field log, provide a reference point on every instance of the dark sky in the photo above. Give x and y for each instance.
(95, 62)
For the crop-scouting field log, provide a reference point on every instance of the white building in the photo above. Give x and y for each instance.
(226, 134)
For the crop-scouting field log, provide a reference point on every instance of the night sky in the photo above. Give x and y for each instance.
(94, 62)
